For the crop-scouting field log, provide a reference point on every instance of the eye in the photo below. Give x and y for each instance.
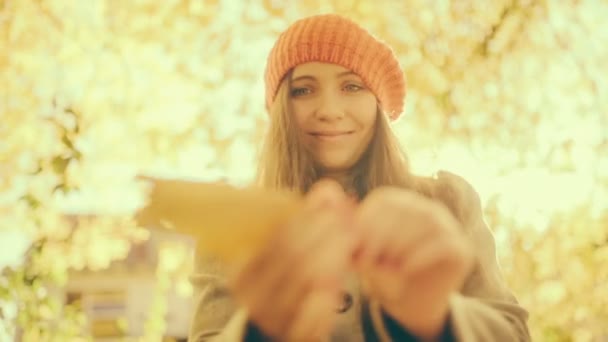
(295, 92)
(351, 87)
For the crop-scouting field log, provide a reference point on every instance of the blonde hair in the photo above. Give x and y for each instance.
(285, 164)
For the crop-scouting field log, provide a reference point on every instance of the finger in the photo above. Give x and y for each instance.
(404, 243)
(270, 279)
(290, 241)
(329, 262)
(260, 280)
(444, 239)
(376, 219)
(321, 266)
(372, 248)
(373, 232)
(326, 263)
(328, 194)
(315, 318)
(402, 231)
(283, 307)
(429, 256)
(387, 241)
(325, 192)
(323, 251)
(313, 226)
(272, 298)
(386, 286)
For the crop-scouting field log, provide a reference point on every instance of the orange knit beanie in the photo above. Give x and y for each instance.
(331, 38)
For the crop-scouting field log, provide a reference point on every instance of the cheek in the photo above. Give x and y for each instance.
(365, 112)
(366, 120)
(300, 117)
(368, 134)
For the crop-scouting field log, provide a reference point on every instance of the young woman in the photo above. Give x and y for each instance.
(377, 254)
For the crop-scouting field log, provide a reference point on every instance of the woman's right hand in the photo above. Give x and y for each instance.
(292, 288)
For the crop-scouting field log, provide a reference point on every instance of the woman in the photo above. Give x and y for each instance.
(412, 260)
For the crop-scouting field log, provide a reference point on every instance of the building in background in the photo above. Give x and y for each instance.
(118, 301)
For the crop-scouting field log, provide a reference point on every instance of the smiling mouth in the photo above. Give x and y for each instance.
(331, 137)
(330, 134)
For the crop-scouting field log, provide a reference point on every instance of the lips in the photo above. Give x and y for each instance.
(330, 133)
(331, 136)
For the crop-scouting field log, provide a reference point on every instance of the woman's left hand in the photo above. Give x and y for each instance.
(413, 256)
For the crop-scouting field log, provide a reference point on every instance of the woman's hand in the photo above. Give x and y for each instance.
(291, 288)
(413, 256)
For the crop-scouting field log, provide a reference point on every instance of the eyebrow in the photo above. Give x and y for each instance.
(309, 77)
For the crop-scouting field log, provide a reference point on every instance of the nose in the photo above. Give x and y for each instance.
(329, 107)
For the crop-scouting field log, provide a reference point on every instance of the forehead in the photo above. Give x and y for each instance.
(318, 69)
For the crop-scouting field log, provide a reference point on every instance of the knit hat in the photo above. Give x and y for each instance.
(331, 38)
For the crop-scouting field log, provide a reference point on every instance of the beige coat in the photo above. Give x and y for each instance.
(484, 310)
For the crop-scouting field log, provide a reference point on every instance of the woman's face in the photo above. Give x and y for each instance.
(335, 114)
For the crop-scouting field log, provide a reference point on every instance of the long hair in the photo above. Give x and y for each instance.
(285, 164)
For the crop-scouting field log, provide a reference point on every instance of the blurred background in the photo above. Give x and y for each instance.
(510, 94)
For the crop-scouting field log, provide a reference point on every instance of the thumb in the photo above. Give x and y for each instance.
(325, 193)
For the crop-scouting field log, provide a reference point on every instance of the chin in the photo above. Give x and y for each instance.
(336, 164)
